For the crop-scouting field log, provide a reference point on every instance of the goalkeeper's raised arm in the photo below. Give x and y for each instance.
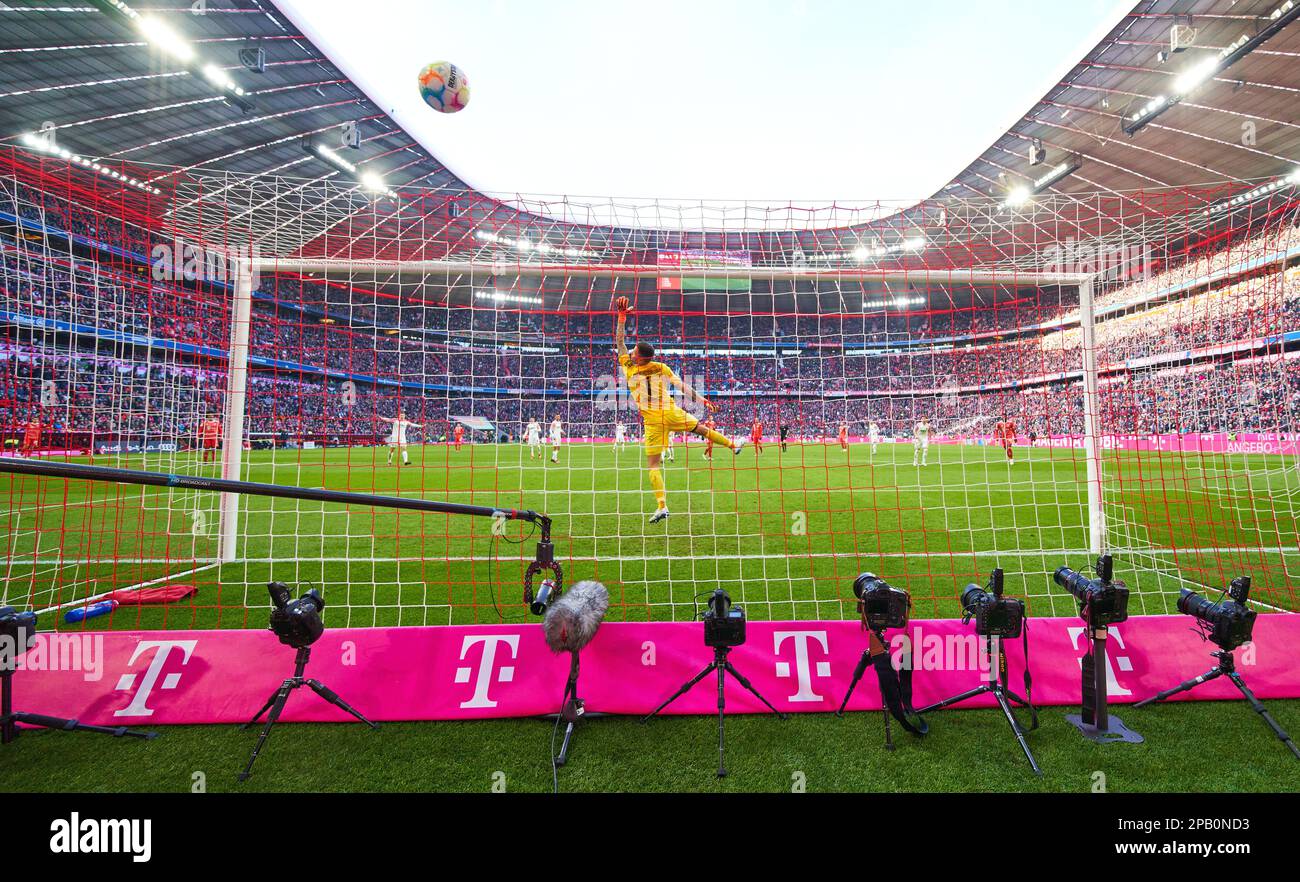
(620, 328)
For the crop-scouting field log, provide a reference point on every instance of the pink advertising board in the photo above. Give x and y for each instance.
(486, 671)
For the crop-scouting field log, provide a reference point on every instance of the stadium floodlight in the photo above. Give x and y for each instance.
(1225, 58)
(368, 180)
(1018, 196)
(506, 297)
(1021, 194)
(333, 158)
(899, 302)
(1254, 194)
(159, 33)
(218, 77)
(1196, 74)
(1057, 174)
(374, 182)
(44, 145)
(527, 246)
(166, 39)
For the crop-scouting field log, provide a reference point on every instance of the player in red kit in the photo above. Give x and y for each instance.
(756, 437)
(1004, 433)
(209, 437)
(708, 443)
(31, 436)
(844, 437)
(459, 435)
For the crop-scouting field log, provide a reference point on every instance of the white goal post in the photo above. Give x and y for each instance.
(246, 270)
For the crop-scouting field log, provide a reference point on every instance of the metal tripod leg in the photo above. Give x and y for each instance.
(722, 716)
(63, 725)
(853, 684)
(949, 702)
(290, 683)
(685, 688)
(1016, 729)
(332, 697)
(743, 682)
(277, 705)
(1260, 709)
(1181, 687)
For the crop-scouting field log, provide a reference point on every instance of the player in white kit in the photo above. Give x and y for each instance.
(397, 437)
(557, 435)
(534, 435)
(620, 436)
(921, 442)
(873, 435)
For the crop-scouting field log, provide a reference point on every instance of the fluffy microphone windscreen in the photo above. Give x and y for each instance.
(572, 621)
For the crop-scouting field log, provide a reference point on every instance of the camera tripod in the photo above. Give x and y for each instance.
(996, 686)
(1227, 668)
(572, 709)
(278, 698)
(9, 718)
(722, 664)
(1094, 720)
(875, 648)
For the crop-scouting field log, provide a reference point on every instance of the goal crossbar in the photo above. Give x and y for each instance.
(643, 271)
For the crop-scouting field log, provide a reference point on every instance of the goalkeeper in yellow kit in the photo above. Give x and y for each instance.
(649, 383)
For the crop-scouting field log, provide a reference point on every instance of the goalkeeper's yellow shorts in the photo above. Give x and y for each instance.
(660, 423)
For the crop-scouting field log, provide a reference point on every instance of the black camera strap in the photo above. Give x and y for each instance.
(1029, 682)
(896, 686)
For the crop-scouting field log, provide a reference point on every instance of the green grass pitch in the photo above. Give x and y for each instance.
(784, 532)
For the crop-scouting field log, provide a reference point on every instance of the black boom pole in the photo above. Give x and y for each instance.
(76, 472)
(543, 562)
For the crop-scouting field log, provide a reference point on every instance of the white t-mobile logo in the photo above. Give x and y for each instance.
(803, 670)
(1123, 662)
(139, 700)
(483, 679)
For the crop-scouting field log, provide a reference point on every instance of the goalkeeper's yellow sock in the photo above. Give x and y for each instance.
(657, 482)
(718, 438)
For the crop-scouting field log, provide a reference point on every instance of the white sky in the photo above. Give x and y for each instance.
(717, 99)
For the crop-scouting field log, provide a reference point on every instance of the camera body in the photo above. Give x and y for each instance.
(880, 604)
(296, 622)
(724, 624)
(994, 615)
(17, 634)
(1230, 622)
(1102, 601)
(13, 623)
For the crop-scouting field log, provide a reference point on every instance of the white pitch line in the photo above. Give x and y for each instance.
(1049, 552)
(86, 601)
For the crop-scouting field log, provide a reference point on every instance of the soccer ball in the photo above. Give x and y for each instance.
(443, 87)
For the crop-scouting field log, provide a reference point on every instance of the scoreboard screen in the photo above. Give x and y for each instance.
(689, 270)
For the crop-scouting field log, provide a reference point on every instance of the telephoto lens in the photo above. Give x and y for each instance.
(1228, 623)
(1102, 601)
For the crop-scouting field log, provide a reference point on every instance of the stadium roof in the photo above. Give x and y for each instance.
(111, 95)
(1242, 124)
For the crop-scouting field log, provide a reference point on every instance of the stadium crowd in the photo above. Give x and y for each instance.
(333, 360)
